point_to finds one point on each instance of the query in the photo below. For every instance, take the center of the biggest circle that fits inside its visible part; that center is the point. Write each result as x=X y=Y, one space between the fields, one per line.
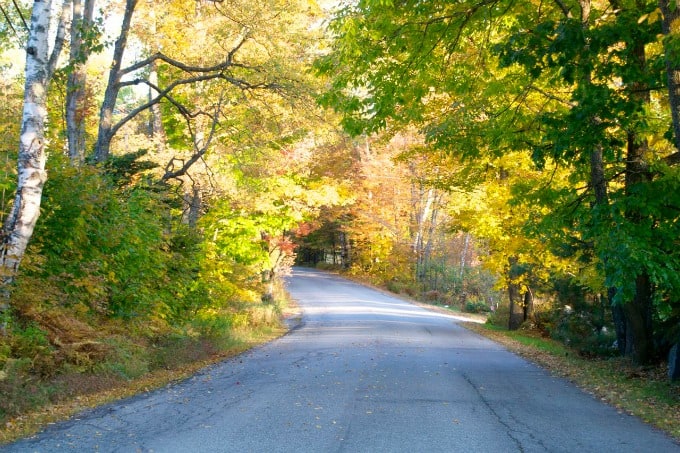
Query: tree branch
x=228 y=62
x=21 y=15
x=165 y=93
x=672 y=159
x=170 y=173
x=9 y=22
x=59 y=39
x=560 y=4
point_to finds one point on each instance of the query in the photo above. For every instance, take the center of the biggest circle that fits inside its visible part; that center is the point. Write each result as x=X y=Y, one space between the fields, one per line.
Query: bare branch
x=9 y=22
x=165 y=93
x=21 y=15
x=228 y=62
x=59 y=38
x=198 y=152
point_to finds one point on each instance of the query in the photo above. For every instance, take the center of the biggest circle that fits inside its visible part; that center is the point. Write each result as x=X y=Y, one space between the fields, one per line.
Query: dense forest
x=167 y=162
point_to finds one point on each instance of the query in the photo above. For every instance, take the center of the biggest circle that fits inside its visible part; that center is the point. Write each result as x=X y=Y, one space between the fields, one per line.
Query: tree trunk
x=106 y=131
x=514 y=318
x=31 y=176
x=345 y=256
x=421 y=214
x=528 y=304
x=671 y=26
x=156 y=123
x=76 y=91
x=639 y=322
x=194 y=201
x=599 y=185
x=639 y=310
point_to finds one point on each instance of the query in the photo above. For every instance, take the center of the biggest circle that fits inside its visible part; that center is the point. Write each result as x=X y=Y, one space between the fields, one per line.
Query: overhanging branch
x=199 y=150
x=227 y=63
x=165 y=93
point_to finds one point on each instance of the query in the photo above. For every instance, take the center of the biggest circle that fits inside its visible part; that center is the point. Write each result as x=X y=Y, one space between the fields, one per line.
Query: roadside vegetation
x=167 y=184
x=97 y=361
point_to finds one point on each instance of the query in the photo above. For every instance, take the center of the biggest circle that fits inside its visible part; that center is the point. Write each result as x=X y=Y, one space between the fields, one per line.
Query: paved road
x=364 y=372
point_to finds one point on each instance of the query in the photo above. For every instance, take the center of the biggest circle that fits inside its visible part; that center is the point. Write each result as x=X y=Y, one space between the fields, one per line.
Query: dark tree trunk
x=639 y=321
x=516 y=315
x=76 y=89
x=672 y=47
x=106 y=124
x=528 y=305
x=639 y=310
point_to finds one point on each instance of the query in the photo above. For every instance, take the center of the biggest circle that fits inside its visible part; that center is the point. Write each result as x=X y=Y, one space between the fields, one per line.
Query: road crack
x=512 y=432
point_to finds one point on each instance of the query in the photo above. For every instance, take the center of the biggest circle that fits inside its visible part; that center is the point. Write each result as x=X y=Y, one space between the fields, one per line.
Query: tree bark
x=639 y=310
x=672 y=48
x=76 y=92
x=31 y=176
x=528 y=304
x=514 y=318
x=106 y=125
x=156 y=122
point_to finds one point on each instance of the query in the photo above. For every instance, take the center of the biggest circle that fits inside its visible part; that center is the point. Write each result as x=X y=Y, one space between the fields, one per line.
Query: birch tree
x=31 y=176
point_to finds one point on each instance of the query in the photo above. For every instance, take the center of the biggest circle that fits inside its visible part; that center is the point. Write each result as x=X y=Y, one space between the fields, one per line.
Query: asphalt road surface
x=363 y=372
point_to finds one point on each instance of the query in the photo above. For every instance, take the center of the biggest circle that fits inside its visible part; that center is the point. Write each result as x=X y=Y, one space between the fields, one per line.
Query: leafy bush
x=576 y=329
x=324 y=266
x=20 y=392
x=114 y=249
x=432 y=295
x=396 y=286
x=127 y=360
x=476 y=306
x=499 y=317
x=579 y=319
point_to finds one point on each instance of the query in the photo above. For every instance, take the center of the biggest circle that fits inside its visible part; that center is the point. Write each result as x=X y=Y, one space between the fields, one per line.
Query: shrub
x=395 y=286
x=432 y=295
x=20 y=392
x=476 y=306
x=127 y=359
x=324 y=266
x=577 y=330
x=500 y=316
x=32 y=343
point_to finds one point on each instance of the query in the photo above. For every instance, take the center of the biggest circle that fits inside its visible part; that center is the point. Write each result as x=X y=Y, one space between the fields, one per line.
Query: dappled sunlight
x=350 y=298
x=339 y=313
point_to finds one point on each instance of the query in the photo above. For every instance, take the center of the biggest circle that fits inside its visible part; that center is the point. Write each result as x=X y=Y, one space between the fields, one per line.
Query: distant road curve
x=364 y=372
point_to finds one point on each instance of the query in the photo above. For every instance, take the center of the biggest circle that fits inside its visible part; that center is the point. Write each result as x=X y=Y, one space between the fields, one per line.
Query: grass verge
x=84 y=391
x=644 y=392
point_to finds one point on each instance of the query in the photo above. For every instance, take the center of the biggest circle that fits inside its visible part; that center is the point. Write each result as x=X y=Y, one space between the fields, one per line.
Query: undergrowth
x=54 y=362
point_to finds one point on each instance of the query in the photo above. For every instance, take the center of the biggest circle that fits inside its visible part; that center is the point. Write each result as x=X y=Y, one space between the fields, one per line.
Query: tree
x=82 y=43
x=40 y=65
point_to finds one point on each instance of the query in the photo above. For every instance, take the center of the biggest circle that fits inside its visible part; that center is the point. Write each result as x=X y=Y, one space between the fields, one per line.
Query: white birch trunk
x=20 y=222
